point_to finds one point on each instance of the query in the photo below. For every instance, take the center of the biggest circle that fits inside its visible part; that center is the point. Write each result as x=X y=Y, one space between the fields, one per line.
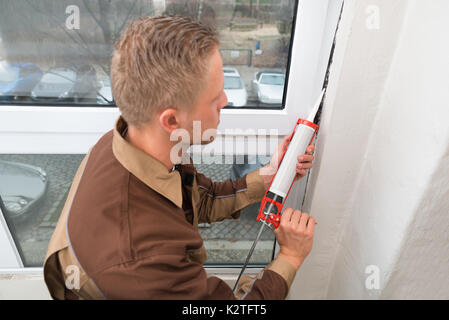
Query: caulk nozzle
x=316 y=107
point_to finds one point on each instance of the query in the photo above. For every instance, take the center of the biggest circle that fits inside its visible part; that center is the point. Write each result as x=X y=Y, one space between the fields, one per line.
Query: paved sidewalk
x=245 y=228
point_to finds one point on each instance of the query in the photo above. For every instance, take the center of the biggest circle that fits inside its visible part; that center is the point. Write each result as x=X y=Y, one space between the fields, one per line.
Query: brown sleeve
x=248 y=288
x=171 y=276
x=223 y=200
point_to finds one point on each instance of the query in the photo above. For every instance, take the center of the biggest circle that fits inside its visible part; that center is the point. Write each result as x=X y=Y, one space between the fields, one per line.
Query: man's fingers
x=305 y=165
x=284 y=143
x=305 y=158
x=300 y=173
x=311 y=149
x=303 y=221
x=297 y=219
x=296 y=216
x=286 y=216
x=310 y=226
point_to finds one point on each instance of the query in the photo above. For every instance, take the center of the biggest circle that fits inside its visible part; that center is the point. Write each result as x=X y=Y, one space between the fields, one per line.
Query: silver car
x=234 y=88
x=65 y=84
x=269 y=86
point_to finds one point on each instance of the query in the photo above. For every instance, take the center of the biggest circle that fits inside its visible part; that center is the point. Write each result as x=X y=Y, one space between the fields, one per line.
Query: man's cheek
x=208 y=136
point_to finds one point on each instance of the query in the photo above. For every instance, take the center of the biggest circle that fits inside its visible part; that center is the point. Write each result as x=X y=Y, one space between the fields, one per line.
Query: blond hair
x=160 y=62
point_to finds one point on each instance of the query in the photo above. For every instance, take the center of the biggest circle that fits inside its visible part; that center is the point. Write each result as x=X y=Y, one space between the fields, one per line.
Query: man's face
x=210 y=101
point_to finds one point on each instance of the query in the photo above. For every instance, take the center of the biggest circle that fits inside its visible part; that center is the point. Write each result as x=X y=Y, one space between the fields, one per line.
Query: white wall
x=418 y=96
x=379 y=188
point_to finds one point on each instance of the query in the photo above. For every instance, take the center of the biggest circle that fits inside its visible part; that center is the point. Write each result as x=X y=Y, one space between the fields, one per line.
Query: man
x=129 y=228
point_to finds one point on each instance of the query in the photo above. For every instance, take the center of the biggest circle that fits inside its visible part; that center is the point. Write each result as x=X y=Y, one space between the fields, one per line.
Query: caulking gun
x=283 y=179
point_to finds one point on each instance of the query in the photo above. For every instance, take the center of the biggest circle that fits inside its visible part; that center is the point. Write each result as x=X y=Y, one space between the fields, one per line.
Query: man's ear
x=169 y=119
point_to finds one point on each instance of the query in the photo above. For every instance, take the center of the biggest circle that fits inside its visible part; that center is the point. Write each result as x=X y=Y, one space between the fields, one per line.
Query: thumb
x=282 y=147
x=284 y=144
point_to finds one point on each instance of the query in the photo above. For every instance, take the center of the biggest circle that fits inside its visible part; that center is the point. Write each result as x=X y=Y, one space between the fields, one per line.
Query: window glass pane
x=232 y=83
x=33 y=190
x=58 y=52
x=229 y=241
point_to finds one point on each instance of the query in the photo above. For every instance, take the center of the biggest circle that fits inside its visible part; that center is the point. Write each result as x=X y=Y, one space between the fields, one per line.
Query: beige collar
x=146 y=168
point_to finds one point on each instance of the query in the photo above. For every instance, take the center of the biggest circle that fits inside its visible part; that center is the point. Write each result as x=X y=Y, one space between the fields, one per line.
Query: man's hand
x=295 y=236
x=304 y=162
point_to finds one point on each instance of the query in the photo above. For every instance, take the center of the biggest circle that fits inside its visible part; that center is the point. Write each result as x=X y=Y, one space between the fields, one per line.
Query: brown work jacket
x=129 y=230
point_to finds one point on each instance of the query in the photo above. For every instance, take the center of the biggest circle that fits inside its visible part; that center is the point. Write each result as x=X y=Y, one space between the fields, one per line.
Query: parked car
x=269 y=86
x=17 y=79
x=234 y=88
x=67 y=84
x=22 y=188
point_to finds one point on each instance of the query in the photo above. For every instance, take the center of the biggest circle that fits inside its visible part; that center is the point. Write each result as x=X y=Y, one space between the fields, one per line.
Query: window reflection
x=228 y=241
x=46 y=58
x=269 y=86
x=34 y=188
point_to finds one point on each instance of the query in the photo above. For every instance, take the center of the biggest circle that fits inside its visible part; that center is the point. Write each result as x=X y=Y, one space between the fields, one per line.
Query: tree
x=36 y=31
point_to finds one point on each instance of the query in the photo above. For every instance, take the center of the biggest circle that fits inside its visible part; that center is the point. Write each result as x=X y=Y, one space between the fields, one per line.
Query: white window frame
x=9 y=254
x=73 y=130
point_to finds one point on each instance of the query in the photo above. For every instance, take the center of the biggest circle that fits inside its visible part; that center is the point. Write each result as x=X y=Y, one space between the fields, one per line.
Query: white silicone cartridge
x=302 y=138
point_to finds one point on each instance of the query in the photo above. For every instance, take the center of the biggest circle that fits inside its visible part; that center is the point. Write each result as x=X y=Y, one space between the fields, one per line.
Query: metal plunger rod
x=249 y=256
x=252 y=249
